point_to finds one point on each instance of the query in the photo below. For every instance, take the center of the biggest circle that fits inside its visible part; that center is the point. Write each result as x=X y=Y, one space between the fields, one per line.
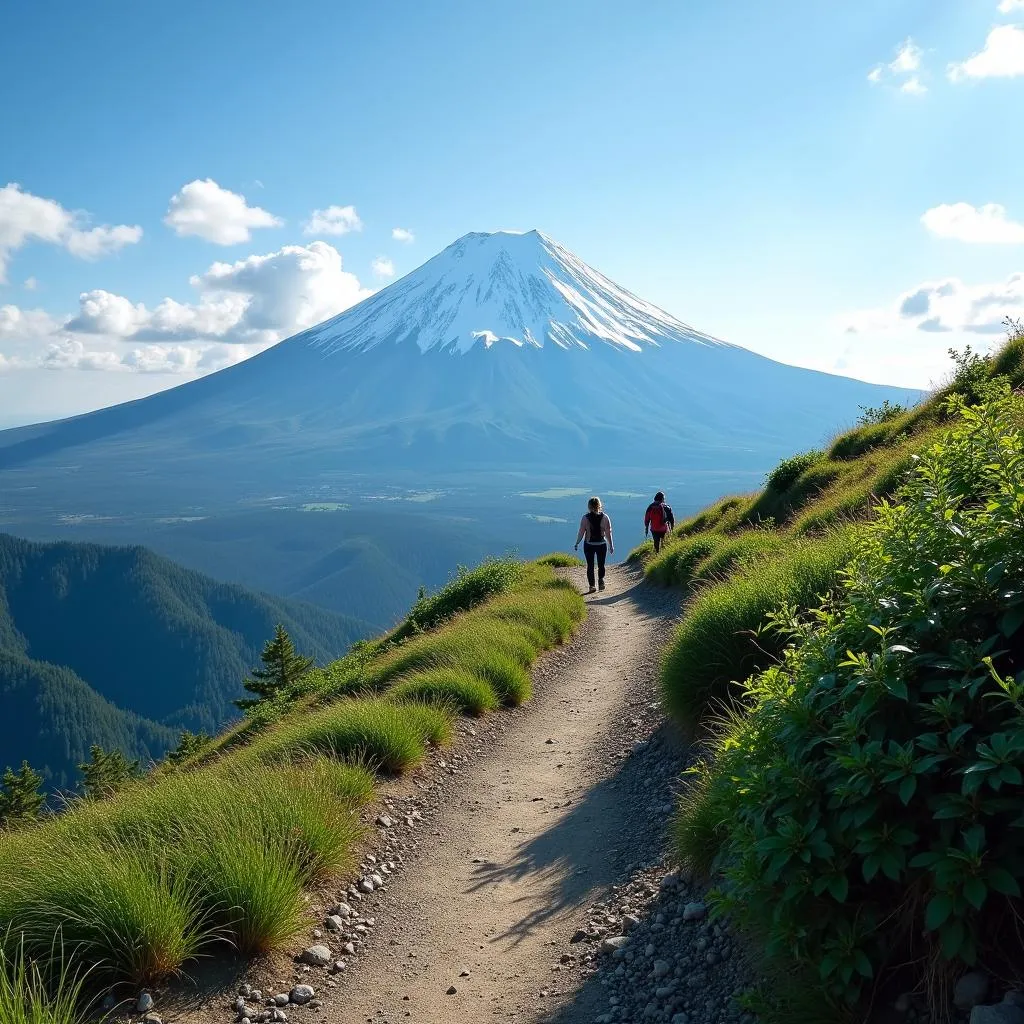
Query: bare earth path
x=541 y=822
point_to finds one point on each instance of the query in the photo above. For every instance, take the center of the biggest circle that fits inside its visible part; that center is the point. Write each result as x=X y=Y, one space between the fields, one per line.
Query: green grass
x=218 y=849
x=387 y=737
x=674 y=565
x=720 y=641
x=453 y=688
x=559 y=560
x=30 y=996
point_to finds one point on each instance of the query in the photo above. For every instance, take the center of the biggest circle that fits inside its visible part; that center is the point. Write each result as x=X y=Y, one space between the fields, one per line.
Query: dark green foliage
x=106 y=772
x=787 y=471
x=20 y=798
x=282 y=671
x=971 y=373
x=870 y=415
x=190 y=745
x=872 y=797
x=469 y=588
x=184 y=645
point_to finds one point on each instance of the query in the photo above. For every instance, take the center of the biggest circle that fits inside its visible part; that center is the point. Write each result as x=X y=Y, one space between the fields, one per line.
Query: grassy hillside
x=136 y=892
x=848 y=649
x=120 y=647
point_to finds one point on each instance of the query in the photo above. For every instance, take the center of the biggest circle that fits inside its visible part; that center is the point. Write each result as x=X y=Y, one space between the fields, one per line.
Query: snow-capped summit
x=504 y=353
x=520 y=288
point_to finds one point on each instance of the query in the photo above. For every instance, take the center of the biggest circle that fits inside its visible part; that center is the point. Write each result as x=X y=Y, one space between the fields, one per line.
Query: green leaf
x=939 y=908
x=975 y=892
x=1012 y=620
x=952 y=939
x=839 y=887
x=907 y=788
x=1002 y=881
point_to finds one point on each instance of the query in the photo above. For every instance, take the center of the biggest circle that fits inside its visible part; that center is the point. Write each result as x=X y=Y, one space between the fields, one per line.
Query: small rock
x=317 y=956
x=384 y=821
x=152 y=1018
x=109 y=1002
x=1001 y=1013
x=579 y=935
x=670 y=881
x=280 y=1016
x=245 y=990
x=611 y=944
x=365 y=885
x=334 y=923
x=341 y=909
x=301 y=994
x=349 y=949
x=144 y=1003
x=680 y=1018
x=463 y=974
x=239 y=1005
x=377 y=880
x=970 y=990
x=629 y=922
x=694 y=912
x=661 y=968
x=451 y=990
x=281 y=999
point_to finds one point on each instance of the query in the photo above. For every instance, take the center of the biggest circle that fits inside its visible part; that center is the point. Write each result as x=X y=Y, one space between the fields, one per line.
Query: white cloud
x=1001 y=57
x=335 y=220
x=241 y=308
x=101 y=241
x=383 y=267
x=402 y=235
x=987 y=224
x=904 y=68
x=204 y=209
x=943 y=306
x=25 y=218
x=908 y=58
x=1009 y=6
x=30 y=284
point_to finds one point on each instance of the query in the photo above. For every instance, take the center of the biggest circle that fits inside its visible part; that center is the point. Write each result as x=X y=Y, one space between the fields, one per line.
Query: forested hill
x=120 y=647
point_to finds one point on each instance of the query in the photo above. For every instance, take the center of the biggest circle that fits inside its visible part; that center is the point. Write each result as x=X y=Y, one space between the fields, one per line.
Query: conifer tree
x=20 y=799
x=106 y=772
x=282 y=669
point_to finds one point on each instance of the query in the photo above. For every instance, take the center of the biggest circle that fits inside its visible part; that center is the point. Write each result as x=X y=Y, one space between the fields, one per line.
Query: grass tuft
x=450 y=687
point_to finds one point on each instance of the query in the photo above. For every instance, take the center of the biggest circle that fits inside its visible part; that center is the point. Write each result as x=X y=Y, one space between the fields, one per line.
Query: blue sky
x=788 y=177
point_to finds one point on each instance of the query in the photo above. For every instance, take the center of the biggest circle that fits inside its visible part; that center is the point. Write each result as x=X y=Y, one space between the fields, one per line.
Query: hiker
x=658 y=520
x=596 y=534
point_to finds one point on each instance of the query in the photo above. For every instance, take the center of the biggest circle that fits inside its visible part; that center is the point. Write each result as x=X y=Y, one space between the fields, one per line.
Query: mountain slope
x=503 y=351
x=119 y=644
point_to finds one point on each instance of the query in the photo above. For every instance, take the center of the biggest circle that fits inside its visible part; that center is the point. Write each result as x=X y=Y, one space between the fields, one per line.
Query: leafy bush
x=872 y=796
x=788 y=470
x=871 y=415
x=720 y=640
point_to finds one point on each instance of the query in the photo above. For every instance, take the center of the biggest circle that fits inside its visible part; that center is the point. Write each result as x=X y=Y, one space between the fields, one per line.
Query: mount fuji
x=503 y=353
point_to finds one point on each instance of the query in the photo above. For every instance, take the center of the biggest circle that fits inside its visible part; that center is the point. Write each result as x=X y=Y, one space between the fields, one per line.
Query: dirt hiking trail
x=507 y=861
x=539 y=825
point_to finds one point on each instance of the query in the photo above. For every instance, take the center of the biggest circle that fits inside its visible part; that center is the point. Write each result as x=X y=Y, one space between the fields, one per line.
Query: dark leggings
x=601 y=553
x=659 y=539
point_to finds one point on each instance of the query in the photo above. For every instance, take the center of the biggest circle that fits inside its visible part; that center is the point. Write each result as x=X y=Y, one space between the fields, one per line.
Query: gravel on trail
x=524 y=874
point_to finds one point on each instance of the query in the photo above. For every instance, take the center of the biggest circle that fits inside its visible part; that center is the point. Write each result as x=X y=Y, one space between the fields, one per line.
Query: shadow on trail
x=618 y=823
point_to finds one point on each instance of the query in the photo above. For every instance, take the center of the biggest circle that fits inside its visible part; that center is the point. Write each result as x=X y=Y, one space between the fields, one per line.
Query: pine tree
x=20 y=799
x=189 y=744
x=282 y=669
x=106 y=772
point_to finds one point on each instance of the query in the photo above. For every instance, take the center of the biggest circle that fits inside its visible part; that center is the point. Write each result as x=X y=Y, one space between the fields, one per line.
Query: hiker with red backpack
x=658 y=520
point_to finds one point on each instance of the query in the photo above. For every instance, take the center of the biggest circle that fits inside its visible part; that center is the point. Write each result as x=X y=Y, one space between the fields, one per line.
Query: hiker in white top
x=596 y=534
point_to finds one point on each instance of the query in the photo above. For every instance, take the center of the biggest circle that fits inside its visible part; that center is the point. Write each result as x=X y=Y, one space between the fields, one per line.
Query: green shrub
x=785 y=474
x=674 y=565
x=872 y=415
x=874 y=789
x=469 y=588
x=855 y=443
x=451 y=687
x=720 y=639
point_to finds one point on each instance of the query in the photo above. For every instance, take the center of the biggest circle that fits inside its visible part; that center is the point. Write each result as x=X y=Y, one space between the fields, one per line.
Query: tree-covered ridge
x=119 y=647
